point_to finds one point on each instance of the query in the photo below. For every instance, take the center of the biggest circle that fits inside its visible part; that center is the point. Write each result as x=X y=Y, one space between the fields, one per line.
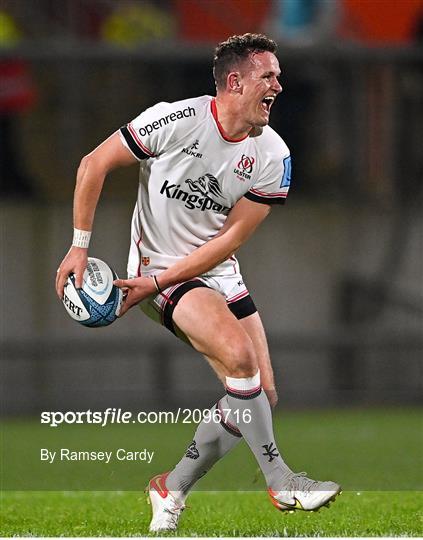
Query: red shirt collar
x=219 y=125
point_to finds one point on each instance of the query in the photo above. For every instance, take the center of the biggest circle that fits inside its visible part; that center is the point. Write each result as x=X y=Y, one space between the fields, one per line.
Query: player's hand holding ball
x=75 y=262
x=134 y=291
x=96 y=301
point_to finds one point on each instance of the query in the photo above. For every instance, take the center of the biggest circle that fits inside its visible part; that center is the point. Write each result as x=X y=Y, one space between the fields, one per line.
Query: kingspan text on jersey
x=157 y=124
x=192 y=201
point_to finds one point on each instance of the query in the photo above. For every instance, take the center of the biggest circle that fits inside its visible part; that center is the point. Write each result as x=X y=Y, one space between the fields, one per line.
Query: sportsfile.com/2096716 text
x=114 y=415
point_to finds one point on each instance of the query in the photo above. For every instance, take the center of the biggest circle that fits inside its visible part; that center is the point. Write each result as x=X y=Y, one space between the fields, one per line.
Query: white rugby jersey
x=191 y=175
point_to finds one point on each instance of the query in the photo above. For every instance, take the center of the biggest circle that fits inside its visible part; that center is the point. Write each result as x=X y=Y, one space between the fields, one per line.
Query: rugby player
x=211 y=168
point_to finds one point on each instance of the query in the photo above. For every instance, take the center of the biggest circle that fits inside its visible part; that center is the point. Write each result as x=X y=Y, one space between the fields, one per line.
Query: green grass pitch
x=375 y=454
x=209 y=514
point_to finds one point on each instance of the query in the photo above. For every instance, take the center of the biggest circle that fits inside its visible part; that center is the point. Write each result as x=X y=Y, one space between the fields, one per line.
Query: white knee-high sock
x=250 y=406
x=212 y=440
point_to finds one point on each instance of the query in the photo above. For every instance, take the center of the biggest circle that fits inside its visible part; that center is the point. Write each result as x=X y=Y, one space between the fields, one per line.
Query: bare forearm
x=199 y=261
x=89 y=183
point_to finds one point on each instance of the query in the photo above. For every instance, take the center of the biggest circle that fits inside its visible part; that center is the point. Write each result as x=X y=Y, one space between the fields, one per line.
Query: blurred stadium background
x=337 y=272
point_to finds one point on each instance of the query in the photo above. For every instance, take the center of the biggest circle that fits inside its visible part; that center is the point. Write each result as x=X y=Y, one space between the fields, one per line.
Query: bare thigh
x=204 y=317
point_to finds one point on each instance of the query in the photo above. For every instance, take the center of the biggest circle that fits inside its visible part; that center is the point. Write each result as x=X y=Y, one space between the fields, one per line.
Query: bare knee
x=240 y=358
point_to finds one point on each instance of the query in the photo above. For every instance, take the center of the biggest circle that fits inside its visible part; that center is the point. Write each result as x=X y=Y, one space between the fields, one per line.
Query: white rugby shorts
x=160 y=307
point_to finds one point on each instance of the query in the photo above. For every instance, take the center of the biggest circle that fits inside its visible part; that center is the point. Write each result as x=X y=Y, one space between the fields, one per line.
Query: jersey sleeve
x=149 y=134
x=273 y=186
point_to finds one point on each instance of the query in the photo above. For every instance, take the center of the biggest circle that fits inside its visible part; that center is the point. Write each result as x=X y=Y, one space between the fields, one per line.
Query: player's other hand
x=75 y=262
x=134 y=290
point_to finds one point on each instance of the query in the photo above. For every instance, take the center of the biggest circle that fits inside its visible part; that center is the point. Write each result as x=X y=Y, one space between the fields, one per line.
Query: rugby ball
x=98 y=301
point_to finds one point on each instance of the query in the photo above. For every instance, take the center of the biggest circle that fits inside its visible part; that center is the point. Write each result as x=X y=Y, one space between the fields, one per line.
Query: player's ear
x=233 y=81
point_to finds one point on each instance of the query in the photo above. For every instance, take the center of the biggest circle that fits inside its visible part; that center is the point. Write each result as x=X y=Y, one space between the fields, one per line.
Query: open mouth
x=267 y=102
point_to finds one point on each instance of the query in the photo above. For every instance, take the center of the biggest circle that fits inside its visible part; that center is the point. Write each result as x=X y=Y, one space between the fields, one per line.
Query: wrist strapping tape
x=81 y=238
